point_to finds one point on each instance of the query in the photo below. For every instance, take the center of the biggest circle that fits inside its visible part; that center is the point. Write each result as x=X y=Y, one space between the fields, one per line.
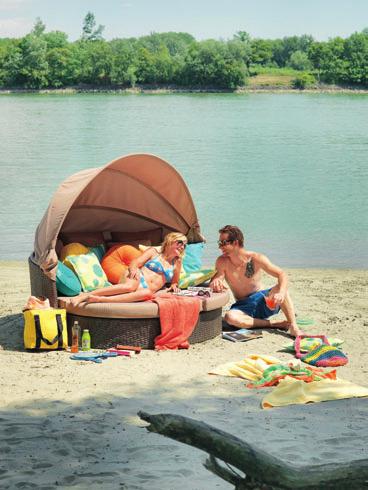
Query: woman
x=146 y=275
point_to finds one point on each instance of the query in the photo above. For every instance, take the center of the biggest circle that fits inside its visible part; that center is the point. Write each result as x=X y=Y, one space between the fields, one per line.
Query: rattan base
x=108 y=332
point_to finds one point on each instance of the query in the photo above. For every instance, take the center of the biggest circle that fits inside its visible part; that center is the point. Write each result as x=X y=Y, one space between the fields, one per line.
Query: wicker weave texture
x=41 y=285
x=108 y=332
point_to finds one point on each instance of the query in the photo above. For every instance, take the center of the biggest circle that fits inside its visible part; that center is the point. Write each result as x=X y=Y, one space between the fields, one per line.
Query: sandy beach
x=74 y=424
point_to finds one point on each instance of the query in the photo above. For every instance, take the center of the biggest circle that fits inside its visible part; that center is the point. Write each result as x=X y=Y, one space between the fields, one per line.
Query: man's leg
x=237 y=318
x=287 y=308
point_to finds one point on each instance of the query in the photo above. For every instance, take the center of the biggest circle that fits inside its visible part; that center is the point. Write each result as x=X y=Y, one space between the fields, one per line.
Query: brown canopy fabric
x=132 y=193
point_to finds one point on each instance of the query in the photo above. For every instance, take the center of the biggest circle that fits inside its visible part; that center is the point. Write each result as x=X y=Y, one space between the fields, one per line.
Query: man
x=242 y=269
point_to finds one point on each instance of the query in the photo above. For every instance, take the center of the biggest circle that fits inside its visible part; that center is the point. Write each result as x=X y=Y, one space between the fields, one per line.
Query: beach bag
x=321 y=355
x=45 y=329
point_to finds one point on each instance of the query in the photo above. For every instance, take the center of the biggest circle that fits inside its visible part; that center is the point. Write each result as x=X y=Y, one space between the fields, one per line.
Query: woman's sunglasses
x=221 y=243
x=180 y=242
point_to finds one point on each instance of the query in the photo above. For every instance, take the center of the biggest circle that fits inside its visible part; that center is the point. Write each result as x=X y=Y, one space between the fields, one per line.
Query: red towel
x=178 y=317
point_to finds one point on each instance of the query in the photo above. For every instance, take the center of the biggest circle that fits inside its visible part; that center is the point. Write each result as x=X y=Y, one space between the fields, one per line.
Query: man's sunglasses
x=221 y=243
x=180 y=242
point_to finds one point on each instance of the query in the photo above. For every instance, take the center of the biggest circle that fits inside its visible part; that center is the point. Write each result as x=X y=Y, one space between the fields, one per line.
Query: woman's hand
x=133 y=272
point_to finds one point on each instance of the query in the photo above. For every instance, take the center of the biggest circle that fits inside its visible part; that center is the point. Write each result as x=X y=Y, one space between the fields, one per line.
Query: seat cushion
x=142 y=309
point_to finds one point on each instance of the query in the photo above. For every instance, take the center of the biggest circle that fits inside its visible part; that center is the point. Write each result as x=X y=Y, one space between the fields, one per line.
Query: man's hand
x=173 y=289
x=279 y=298
x=218 y=285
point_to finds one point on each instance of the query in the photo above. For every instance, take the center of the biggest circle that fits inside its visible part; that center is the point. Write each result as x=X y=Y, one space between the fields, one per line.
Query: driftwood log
x=257 y=465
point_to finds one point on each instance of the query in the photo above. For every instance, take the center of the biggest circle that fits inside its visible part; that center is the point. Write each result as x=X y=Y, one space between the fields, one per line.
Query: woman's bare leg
x=132 y=297
x=130 y=285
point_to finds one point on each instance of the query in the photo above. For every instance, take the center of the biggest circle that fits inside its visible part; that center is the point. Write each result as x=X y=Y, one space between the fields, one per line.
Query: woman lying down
x=146 y=274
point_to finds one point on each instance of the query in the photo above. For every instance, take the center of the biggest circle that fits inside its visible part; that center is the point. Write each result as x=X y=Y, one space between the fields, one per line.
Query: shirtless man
x=242 y=269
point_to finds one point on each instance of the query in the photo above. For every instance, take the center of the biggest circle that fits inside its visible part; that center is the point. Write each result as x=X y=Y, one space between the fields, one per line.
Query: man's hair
x=234 y=233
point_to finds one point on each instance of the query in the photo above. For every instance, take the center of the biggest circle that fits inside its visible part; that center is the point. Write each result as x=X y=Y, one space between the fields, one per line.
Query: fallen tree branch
x=254 y=462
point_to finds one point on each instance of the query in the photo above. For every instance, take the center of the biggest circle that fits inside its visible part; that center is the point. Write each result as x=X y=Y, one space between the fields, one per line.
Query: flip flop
x=97 y=358
x=304 y=322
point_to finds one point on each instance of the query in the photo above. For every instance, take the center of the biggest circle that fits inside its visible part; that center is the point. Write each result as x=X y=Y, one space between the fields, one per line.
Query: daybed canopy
x=132 y=193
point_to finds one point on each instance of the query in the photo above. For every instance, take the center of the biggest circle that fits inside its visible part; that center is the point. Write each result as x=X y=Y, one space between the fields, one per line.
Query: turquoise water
x=289 y=169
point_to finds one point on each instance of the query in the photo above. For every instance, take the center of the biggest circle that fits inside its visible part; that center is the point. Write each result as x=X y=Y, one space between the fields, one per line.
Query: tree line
x=48 y=60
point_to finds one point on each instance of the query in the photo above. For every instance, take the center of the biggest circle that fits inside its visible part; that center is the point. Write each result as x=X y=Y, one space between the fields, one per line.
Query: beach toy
x=321 y=355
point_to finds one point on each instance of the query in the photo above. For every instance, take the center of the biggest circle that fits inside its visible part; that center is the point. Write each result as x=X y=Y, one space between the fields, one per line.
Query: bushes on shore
x=47 y=59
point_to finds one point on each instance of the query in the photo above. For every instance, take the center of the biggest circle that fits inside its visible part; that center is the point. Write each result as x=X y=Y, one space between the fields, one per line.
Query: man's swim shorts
x=255 y=306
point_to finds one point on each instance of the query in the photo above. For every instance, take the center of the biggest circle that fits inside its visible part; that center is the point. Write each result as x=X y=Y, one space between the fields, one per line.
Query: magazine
x=195 y=291
x=242 y=335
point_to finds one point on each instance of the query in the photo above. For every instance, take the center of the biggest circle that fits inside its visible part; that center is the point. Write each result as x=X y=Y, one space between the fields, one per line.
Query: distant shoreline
x=333 y=89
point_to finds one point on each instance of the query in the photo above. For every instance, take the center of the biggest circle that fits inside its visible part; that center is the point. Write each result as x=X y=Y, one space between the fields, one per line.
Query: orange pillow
x=116 y=261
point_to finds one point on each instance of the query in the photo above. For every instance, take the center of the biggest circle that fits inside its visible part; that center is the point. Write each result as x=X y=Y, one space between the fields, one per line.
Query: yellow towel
x=250 y=368
x=291 y=391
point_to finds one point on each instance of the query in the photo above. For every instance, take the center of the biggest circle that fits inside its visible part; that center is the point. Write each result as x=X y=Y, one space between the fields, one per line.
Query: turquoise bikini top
x=156 y=266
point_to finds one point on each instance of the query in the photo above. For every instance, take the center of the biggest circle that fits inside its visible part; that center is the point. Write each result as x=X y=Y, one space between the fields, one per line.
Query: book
x=241 y=335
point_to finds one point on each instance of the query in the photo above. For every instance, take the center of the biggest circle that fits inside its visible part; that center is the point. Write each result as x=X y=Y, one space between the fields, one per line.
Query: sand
x=73 y=424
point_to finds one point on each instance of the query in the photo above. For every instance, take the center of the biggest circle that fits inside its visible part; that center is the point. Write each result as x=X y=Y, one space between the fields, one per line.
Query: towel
x=250 y=368
x=178 y=317
x=291 y=391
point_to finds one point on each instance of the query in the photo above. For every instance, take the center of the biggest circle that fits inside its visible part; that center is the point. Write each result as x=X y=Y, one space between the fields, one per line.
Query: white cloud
x=11 y=5
x=15 y=27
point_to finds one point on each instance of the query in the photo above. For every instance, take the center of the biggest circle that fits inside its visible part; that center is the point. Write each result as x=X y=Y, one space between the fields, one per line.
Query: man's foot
x=287 y=327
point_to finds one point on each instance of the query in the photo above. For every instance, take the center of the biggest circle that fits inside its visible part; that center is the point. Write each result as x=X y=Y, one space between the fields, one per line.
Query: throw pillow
x=99 y=251
x=196 y=278
x=89 y=271
x=192 y=260
x=72 y=249
x=67 y=283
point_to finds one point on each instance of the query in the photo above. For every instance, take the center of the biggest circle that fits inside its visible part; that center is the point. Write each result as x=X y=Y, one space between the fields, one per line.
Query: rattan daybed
x=132 y=194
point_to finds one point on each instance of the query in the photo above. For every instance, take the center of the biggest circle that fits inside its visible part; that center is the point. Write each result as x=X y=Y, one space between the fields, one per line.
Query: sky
x=217 y=19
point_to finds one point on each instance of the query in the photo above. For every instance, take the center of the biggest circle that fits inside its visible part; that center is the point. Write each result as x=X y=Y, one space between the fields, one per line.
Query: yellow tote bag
x=45 y=329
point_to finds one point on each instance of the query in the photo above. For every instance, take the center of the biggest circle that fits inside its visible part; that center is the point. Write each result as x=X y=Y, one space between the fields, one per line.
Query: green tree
x=33 y=71
x=211 y=64
x=262 y=53
x=356 y=56
x=64 y=67
x=55 y=39
x=300 y=61
x=38 y=28
x=89 y=30
x=96 y=62
x=124 y=52
x=10 y=62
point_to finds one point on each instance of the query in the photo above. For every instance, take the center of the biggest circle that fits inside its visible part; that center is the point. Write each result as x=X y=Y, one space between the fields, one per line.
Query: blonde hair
x=170 y=238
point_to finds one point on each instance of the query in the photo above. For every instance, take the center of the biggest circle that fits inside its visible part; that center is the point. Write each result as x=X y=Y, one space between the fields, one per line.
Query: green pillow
x=195 y=278
x=89 y=271
x=67 y=283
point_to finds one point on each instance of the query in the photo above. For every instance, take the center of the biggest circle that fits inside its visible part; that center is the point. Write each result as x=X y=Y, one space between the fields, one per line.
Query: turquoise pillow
x=192 y=260
x=99 y=251
x=67 y=283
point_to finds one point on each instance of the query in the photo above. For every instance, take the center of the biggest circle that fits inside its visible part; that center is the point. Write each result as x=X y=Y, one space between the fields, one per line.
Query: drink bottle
x=75 y=337
x=86 y=340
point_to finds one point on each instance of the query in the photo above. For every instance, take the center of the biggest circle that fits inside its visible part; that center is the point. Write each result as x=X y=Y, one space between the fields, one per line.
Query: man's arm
x=279 y=292
x=217 y=282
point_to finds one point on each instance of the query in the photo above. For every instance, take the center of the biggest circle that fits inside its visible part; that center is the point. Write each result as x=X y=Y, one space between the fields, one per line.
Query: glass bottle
x=86 y=340
x=75 y=337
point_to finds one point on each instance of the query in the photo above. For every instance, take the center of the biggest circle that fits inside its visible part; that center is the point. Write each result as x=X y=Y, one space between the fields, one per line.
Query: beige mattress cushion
x=142 y=309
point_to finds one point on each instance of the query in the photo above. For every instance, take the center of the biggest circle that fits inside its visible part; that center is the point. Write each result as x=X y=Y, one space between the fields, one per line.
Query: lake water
x=289 y=169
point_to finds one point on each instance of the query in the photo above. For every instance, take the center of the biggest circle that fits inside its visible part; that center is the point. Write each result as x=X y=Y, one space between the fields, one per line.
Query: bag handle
x=39 y=336
x=298 y=339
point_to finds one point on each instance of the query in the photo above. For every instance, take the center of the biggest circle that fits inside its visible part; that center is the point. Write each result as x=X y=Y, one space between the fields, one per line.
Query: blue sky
x=201 y=18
